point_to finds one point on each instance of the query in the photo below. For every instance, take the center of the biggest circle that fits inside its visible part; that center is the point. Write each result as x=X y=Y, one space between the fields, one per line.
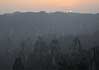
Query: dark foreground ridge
x=55 y=57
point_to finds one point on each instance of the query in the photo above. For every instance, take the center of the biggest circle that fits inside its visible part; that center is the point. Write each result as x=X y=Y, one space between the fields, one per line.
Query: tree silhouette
x=77 y=44
x=18 y=64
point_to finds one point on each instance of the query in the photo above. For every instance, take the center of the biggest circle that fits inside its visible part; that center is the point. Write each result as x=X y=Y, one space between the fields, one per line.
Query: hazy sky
x=49 y=5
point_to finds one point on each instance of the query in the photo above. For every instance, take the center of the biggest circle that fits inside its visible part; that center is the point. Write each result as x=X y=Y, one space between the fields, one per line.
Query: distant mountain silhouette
x=46 y=23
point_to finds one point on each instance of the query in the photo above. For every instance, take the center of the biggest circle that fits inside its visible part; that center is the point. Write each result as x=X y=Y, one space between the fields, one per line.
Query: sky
x=83 y=6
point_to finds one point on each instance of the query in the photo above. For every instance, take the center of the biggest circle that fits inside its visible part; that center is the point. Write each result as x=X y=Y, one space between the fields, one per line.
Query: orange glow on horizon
x=48 y=4
x=39 y=3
